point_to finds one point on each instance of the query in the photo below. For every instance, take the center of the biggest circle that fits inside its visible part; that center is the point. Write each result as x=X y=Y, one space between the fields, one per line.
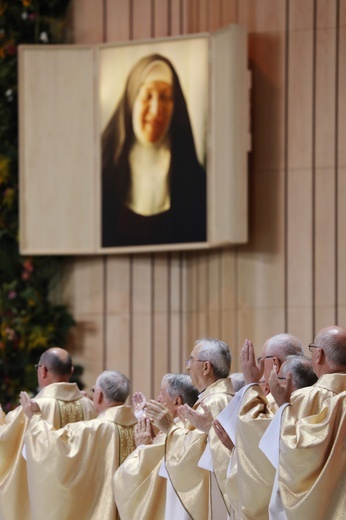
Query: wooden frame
x=60 y=153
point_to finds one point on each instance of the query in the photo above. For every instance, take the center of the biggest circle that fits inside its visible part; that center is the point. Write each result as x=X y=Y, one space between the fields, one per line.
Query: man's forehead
x=164 y=386
x=264 y=348
x=196 y=349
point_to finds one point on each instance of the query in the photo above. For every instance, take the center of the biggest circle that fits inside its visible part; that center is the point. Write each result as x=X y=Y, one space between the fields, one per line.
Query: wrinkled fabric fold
x=312 y=462
x=70 y=470
x=59 y=402
x=184 y=448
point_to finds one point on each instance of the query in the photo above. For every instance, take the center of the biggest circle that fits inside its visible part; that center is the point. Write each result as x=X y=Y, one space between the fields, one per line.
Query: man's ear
x=277 y=363
x=100 y=397
x=178 y=401
x=72 y=371
x=319 y=355
x=44 y=372
x=207 y=367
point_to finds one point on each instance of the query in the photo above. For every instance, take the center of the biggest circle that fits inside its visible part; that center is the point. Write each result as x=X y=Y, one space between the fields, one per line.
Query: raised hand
x=159 y=415
x=29 y=406
x=280 y=390
x=251 y=370
x=138 y=402
x=201 y=421
x=143 y=432
x=223 y=435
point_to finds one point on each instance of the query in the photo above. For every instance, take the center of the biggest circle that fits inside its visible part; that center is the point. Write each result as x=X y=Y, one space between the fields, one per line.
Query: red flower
x=28 y=266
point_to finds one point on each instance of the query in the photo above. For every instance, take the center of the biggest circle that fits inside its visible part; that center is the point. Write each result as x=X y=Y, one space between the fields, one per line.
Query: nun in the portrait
x=153 y=187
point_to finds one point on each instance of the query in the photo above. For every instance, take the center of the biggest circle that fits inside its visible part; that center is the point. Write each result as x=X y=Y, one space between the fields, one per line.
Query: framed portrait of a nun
x=155 y=139
x=154 y=110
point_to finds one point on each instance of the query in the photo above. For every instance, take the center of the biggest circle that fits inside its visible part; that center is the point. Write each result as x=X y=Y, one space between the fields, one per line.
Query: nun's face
x=152 y=111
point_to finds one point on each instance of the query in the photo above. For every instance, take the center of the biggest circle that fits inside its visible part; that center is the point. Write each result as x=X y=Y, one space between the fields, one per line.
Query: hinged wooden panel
x=229 y=137
x=57 y=149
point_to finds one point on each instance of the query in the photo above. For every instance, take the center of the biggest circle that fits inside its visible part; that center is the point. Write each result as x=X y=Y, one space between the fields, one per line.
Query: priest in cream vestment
x=70 y=470
x=251 y=479
x=209 y=366
x=60 y=403
x=139 y=490
x=312 y=455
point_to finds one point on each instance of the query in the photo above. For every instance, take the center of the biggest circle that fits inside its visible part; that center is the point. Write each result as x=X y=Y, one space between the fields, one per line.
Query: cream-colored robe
x=60 y=403
x=184 y=448
x=251 y=480
x=70 y=470
x=312 y=461
x=139 y=491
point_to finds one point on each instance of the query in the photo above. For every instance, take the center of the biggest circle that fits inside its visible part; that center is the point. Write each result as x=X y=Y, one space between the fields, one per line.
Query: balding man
x=251 y=478
x=60 y=402
x=72 y=476
x=275 y=351
x=312 y=460
x=209 y=367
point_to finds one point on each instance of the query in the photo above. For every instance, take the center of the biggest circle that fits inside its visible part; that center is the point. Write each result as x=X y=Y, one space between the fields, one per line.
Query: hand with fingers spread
x=280 y=390
x=143 y=432
x=223 y=435
x=138 y=401
x=251 y=370
x=159 y=415
x=201 y=421
x=29 y=406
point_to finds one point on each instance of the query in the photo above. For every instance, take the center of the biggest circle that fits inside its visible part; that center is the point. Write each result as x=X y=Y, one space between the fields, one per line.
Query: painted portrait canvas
x=153 y=110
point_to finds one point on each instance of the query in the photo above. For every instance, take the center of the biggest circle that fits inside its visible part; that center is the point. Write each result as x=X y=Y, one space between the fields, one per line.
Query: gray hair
x=284 y=345
x=217 y=352
x=115 y=386
x=301 y=369
x=333 y=345
x=180 y=385
x=238 y=381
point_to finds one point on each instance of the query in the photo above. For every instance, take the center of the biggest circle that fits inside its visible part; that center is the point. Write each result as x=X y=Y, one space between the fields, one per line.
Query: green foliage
x=29 y=322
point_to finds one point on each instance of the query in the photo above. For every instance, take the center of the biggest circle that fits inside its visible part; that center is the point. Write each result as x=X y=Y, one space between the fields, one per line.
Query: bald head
x=283 y=345
x=276 y=350
x=330 y=357
x=55 y=366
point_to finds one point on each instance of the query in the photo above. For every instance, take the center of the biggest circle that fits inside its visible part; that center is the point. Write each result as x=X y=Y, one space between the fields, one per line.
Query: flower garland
x=29 y=322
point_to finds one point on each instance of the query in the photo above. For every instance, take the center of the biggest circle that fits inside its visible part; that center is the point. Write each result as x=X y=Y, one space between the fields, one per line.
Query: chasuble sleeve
x=184 y=448
x=139 y=491
x=255 y=473
x=312 y=462
x=70 y=470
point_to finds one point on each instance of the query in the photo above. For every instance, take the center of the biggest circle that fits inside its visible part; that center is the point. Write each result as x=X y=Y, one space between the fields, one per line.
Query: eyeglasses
x=264 y=357
x=190 y=359
x=38 y=365
x=313 y=346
